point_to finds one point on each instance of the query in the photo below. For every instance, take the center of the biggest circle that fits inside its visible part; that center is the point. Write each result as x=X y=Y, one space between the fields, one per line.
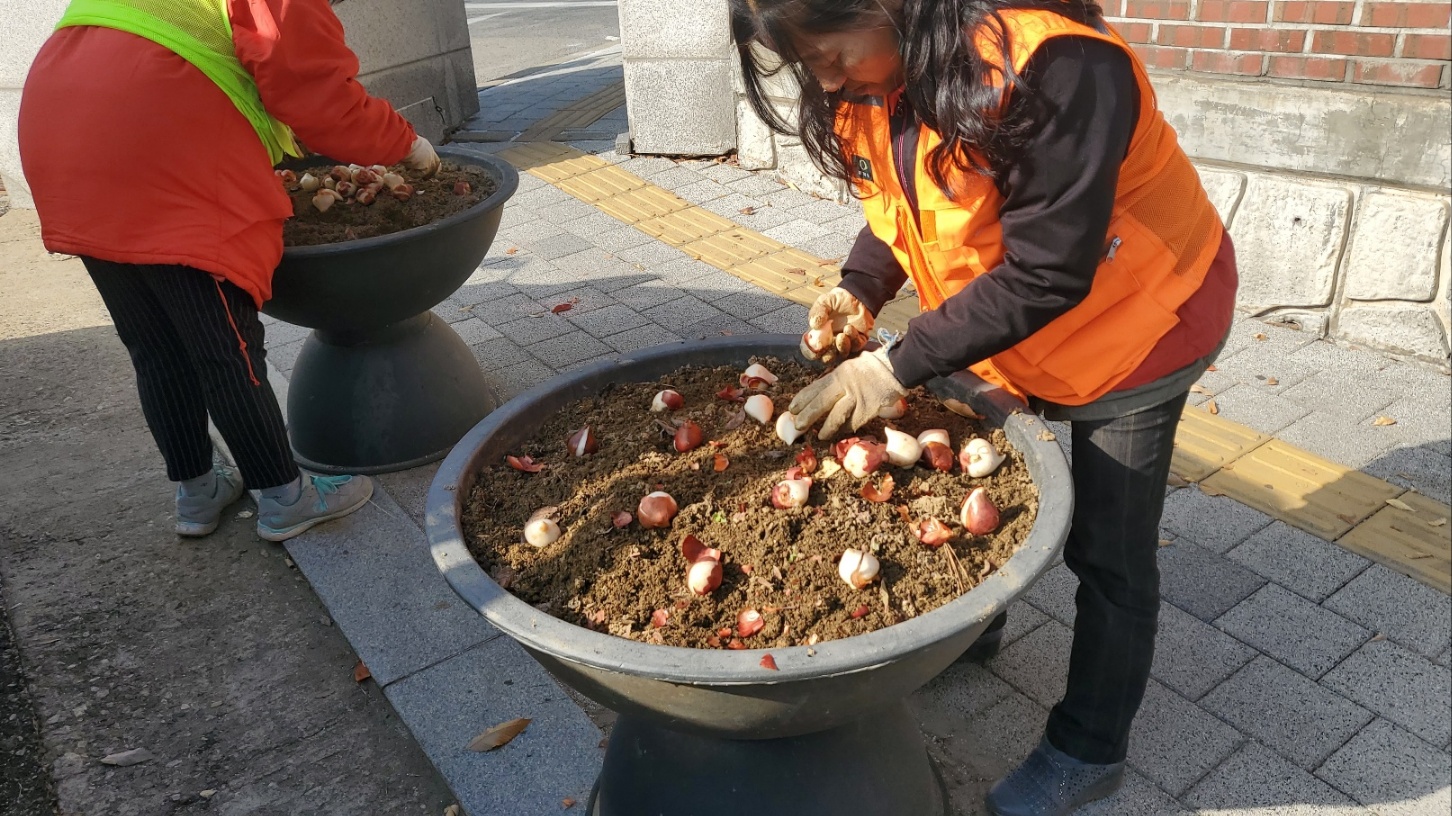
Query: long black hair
x=950 y=85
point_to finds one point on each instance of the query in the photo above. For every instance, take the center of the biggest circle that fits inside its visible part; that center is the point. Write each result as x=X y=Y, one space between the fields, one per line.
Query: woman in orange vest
x=1012 y=163
x=148 y=170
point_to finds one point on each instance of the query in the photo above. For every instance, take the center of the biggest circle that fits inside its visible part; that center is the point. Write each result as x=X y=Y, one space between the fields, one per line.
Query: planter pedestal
x=384 y=400
x=877 y=764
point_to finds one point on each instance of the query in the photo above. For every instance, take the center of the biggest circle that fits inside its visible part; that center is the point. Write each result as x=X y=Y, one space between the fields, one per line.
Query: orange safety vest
x=1162 y=236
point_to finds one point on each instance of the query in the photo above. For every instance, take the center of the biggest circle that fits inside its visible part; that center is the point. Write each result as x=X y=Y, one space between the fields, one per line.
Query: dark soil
x=349 y=221
x=780 y=562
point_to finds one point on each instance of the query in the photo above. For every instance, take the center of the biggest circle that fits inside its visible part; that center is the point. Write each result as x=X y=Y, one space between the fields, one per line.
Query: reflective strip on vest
x=200 y=32
x=1163 y=235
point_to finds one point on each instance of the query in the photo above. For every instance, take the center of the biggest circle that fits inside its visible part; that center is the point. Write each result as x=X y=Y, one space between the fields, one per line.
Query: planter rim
x=536 y=630
x=508 y=179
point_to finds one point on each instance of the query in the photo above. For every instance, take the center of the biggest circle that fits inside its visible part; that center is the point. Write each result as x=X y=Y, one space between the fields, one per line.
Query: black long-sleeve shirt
x=1055 y=215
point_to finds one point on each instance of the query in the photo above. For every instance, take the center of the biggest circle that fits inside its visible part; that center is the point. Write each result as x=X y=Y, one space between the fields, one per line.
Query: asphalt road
x=512 y=37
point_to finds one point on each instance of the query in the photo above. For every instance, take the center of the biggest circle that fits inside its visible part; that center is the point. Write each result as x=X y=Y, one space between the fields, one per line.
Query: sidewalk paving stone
x=473 y=331
x=1330 y=390
x=1335 y=437
x=1191 y=656
x=759 y=186
x=654 y=255
x=1053 y=594
x=684 y=316
x=609 y=320
x=796 y=232
x=620 y=238
x=786 y=320
x=1022 y=619
x=702 y=191
x=953 y=701
x=1422 y=469
x=567 y=349
x=379 y=584
x=556 y=244
x=1300 y=720
x=784 y=198
x=563 y=212
x=1393 y=772
x=761 y=218
x=648 y=294
x=829 y=246
x=451 y=312
x=1037 y=664
x=750 y=305
x=1256 y=781
x=1287 y=627
x=591 y=224
x=1175 y=743
x=449 y=704
x=1399 y=685
x=681 y=269
x=284 y=357
x=643 y=337
x=500 y=310
x=724 y=173
x=1218 y=523
x=674 y=178
x=1138 y=797
x=499 y=353
x=599 y=269
x=820 y=211
x=1257 y=409
x=1303 y=563
x=1201 y=582
x=528 y=331
x=1422 y=421
x=718 y=287
x=1405 y=610
x=722 y=326
x=522 y=376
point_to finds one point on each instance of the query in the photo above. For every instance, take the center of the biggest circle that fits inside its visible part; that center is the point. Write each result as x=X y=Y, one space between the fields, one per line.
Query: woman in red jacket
x=1012 y=162
x=148 y=170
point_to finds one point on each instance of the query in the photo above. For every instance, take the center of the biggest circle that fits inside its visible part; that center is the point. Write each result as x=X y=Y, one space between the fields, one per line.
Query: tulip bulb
x=863 y=457
x=340 y=172
x=902 y=449
x=309 y=183
x=938 y=456
x=786 y=427
x=330 y=183
x=897 y=410
x=392 y=180
x=667 y=400
x=858 y=568
x=323 y=200
x=287 y=177
x=541 y=532
x=791 y=493
x=979 y=458
x=817 y=341
x=756 y=375
x=656 y=510
x=979 y=514
x=583 y=442
x=364 y=177
x=934 y=435
x=366 y=196
x=462 y=188
x=346 y=188
x=704 y=576
x=402 y=192
x=688 y=437
x=932 y=533
x=759 y=407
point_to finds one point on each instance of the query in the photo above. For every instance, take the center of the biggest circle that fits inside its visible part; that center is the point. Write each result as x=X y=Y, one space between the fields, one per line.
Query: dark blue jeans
x=1120 y=469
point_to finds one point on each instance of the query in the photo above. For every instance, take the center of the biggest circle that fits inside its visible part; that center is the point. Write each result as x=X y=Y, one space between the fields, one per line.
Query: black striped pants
x=196 y=344
x=1120 y=468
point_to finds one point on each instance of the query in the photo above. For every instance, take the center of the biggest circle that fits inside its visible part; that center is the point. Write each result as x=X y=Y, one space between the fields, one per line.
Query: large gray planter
x=382 y=384
x=709 y=732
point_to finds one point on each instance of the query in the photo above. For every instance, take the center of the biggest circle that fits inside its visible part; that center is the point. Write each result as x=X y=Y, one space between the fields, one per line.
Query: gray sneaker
x=197 y=516
x=323 y=498
x=1052 y=783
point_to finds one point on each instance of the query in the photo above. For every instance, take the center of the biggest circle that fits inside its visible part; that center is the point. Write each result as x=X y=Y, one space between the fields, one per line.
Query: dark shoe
x=1052 y=783
x=988 y=643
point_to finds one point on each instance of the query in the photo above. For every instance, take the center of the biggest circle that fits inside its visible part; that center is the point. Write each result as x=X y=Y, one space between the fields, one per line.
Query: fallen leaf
x=795 y=270
x=878 y=495
x=525 y=464
x=1212 y=407
x=1200 y=389
x=735 y=645
x=659 y=618
x=1378 y=637
x=564 y=307
x=748 y=210
x=749 y=622
x=735 y=421
x=1346 y=517
x=768 y=662
x=817 y=281
x=1260 y=336
x=124 y=759
x=1211 y=368
x=1165 y=542
x=1438 y=522
x=731 y=394
x=567 y=803
x=1175 y=480
x=720 y=462
x=1272 y=381
x=1399 y=504
x=1383 y=421
x=511 y=250
x=499 y=735
x=548 y=511
x=361 y=673
x=453 y=810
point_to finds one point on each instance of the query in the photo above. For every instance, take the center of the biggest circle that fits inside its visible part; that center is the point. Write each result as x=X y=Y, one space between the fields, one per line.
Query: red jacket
x=134 y=156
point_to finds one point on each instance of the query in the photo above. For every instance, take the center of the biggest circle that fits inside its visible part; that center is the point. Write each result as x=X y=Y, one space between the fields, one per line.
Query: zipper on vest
x=1113 y=248
x=903 y=130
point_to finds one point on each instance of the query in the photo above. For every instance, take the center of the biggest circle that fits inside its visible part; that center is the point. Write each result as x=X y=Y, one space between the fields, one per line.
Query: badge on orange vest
x=862 y=168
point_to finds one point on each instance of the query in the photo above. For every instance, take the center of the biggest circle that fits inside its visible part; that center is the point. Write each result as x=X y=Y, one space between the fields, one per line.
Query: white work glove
x=421 y=158
x=837 y=326
x=854 y=391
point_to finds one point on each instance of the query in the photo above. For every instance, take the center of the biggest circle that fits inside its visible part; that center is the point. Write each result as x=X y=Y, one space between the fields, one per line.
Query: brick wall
x=1365 y=42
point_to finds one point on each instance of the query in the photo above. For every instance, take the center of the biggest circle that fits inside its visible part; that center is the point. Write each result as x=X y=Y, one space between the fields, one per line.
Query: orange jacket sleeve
x=307 y=75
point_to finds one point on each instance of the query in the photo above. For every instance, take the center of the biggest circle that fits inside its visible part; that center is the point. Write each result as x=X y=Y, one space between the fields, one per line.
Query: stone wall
x=414 y=53
x=678 y=59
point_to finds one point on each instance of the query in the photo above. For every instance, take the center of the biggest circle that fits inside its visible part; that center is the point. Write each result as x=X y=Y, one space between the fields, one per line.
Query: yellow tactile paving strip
x=1363 y=513
x=577 y=114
